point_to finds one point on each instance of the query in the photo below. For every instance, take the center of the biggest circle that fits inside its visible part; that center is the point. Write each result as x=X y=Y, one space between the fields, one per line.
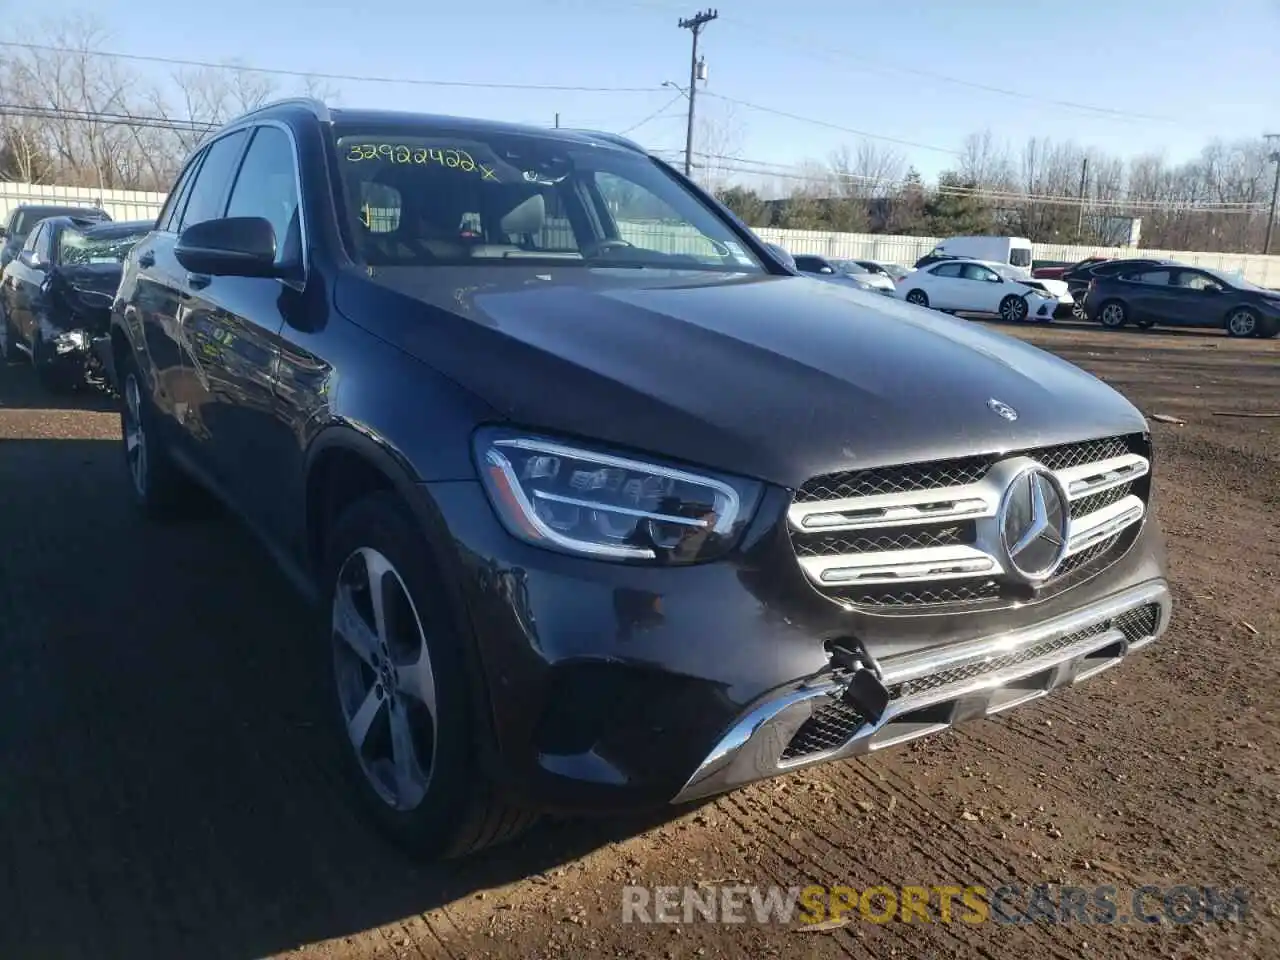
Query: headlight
x=608 y=506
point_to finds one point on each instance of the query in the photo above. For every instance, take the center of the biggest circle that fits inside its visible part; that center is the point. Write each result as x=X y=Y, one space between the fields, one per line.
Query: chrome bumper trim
x=752 y=748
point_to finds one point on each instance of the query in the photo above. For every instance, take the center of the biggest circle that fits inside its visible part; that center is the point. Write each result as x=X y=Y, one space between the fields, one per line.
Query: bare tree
x=719 y=134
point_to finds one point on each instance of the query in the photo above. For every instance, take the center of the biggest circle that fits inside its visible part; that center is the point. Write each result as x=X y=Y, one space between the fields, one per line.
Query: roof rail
x=313 y=104
x=611 y=137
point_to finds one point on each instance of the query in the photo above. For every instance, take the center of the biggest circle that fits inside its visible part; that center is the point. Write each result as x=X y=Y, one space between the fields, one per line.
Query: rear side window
x=209 y=192
x=1020 y=257
x=948 y=270
x=1158 y=277
x=172 y=212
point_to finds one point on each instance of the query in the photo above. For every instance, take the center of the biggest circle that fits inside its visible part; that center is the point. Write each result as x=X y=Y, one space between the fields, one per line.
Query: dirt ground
x=166 y=793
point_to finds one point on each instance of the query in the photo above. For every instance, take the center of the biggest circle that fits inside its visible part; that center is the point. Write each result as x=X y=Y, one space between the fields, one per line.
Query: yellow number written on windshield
x=402 y=153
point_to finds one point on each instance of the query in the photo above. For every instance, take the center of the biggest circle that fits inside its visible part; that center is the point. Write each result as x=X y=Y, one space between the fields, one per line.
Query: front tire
x=1113 y=314
x=400 y=683
x=1013 y=309
x=918 y=297
x=1242 y=323
x=54 y=376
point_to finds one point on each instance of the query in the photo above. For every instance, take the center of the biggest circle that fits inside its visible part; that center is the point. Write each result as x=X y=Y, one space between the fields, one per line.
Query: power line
x=95 y=116
x=766 y=169
x=653 y=116
x=768 y=34
x=305 y=74
x=831 y=126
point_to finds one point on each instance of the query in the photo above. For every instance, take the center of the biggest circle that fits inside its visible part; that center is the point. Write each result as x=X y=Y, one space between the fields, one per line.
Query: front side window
x=422 y=197
x=1197 y=281
x=1020 y=257
x=976 y=271
x=267 y=187
x=33 y=238
x=78 y=249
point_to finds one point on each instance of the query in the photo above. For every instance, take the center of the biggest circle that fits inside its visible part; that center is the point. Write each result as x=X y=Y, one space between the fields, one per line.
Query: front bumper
x=932 y=691
x=610 y=687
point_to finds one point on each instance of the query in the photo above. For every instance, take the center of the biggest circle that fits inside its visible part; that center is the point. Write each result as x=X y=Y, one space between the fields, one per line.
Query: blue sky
x=1201 y=70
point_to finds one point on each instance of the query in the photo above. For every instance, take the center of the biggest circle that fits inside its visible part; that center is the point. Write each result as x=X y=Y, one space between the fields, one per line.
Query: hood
x=775 y=377
x=1055 y=288
x=93 y=280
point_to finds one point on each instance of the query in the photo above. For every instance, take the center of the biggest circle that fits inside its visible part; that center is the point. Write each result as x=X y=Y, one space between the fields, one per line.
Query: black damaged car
x=602 y=505
x=56 y=295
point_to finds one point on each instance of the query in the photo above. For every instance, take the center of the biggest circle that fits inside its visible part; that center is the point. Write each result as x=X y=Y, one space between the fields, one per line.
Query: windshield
x=851 y=269
x=1007 y=272
x=76 y=249
x=418 y=197
x=1234 y=280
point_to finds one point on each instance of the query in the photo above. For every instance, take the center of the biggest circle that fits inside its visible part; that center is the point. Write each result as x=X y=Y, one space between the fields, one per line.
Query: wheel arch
x=344 y=463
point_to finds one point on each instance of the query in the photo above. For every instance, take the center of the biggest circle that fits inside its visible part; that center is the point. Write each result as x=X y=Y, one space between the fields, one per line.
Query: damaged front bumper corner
x=814 y=721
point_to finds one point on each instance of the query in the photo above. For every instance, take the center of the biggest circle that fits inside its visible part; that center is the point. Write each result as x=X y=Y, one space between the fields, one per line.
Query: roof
x=118 y=228
x=373 y=118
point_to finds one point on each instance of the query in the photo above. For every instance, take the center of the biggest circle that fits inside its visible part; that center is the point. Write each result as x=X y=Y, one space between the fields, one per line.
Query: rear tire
x=400 y=684
x=918 y=297
x=1113 y=314
x=161 y=491
x=8 y=336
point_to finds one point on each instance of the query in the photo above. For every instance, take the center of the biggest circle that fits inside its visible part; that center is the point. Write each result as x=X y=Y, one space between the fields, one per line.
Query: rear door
x=946 y=287
x=1148 y=294
x=166 y=290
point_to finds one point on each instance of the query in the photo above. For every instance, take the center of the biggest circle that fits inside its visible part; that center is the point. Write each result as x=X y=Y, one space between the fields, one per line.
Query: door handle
x=147 y=258
x=198 y=281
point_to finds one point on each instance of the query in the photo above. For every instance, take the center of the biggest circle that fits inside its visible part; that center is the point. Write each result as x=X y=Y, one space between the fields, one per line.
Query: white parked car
x=977 y=286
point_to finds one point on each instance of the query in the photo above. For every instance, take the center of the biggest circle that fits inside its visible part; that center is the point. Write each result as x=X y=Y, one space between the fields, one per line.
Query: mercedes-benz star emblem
x=1033 y=525
x=1002 y=409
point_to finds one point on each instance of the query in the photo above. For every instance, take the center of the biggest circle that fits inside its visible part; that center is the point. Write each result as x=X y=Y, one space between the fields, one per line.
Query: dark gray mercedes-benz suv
x=602 y=505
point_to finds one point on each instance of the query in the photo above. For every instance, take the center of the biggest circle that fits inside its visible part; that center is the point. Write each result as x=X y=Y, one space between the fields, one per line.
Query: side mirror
x=230 y=247
x=28 y=259
x=826 y=270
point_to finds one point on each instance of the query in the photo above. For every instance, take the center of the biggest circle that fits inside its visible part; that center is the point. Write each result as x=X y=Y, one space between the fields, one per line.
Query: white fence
x=137 y=205
x=119 y=204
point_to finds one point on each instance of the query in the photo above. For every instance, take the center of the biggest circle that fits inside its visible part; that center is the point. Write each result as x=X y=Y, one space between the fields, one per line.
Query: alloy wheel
x=1242 y=323
x=135 y=437
x=385 y=685
x=1112 y=315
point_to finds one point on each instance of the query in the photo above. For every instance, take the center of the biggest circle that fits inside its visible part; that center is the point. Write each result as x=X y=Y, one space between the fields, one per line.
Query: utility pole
x=1275 y=191
x=694 y=25
x=1084 y=183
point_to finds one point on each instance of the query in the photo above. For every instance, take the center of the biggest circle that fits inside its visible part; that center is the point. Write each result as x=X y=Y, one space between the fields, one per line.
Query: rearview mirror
x=229 y=247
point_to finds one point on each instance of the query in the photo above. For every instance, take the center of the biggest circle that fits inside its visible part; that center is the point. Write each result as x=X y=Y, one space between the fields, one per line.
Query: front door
x=230 y=330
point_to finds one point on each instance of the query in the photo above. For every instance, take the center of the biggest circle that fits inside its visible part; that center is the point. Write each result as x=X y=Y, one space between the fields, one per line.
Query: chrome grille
x=834 y=723
x=921 y=537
